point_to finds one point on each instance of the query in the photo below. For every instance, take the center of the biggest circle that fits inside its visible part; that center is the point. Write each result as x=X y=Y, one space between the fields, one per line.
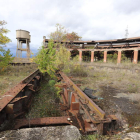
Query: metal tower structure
x=23 y=36
x=126 y=32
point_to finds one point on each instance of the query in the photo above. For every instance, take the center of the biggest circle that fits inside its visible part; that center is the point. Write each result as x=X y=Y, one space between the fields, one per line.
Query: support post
x=80 y=55
x=119 y=56
x=92 y=56
x=28 y=50
x=17 y=47
x=105 y=56
x=135 y=60
x=20 y=49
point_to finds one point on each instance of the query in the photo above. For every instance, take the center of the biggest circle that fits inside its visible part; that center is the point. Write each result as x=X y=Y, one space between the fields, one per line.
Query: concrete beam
x=124 y=49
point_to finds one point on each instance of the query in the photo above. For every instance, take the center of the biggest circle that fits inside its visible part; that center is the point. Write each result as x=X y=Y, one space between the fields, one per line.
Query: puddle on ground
x=114 y=103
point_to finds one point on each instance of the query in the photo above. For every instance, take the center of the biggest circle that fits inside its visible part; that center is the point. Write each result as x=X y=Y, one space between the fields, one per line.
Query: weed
x=46 y=102
x=78 y=70
x=133 y=88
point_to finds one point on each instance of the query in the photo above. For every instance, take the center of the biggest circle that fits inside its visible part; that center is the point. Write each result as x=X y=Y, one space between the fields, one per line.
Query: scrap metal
x=81 y=110
x=89 y=116
x=18 y=99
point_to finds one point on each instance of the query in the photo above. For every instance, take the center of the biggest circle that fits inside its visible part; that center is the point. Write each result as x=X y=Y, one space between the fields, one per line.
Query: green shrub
x=5 y=59
x=78 y=70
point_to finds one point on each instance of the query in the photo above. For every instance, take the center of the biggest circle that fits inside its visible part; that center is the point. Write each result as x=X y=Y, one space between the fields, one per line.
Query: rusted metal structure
x=81 y=111
x=89 y=116
x=117 y=45
x=17 y=100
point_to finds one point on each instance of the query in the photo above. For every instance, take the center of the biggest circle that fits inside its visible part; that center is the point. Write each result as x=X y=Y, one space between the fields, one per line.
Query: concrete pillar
x=80 y=55
x=28 y=50
x=105 y=56
x=21 y=50
x=119 y=56
x=17 y=47
x=135 y=60
x=92 y=56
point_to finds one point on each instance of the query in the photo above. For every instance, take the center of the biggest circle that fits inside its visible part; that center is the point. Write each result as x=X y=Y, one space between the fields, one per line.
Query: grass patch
x=13 y=75
x=132 y=88
x=78 y=70
x=46 y=101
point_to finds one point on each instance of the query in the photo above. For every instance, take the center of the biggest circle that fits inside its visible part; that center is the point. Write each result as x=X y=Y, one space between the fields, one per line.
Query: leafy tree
x=71 y=37
x=59 y=34
x=5 y=56
x=62 y=61
x=45 y=59
x=49 y=60
x=3 y=39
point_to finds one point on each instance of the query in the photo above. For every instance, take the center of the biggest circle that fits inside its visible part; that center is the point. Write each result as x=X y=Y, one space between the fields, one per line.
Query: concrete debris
x=43 y=133
x=131 y=136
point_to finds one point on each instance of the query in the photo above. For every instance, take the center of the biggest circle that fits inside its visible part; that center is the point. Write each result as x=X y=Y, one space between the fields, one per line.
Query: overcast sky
x=91 y=19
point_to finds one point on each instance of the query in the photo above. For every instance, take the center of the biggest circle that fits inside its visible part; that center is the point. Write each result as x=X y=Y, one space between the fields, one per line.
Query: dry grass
x=13 y=75
x=46 y=101
x=126 y=64
x=126 y=81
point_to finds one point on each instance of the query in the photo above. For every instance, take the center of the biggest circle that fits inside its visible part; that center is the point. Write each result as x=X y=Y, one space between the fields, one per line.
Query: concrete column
x=135 y=60
x=20 y=49
x=119 y=56
x=92 y=56
x=17 y=47
x=80 y=55
x=28 y=50
x=105 y=56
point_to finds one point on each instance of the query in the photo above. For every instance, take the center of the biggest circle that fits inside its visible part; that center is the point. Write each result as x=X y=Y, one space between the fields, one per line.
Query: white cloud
x=91 y=19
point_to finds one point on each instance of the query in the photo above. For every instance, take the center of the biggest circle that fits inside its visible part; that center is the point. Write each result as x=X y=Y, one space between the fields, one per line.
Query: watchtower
x=23 y=36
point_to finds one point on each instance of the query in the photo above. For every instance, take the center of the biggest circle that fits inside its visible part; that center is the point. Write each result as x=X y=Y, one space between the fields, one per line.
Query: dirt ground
x=120 y=92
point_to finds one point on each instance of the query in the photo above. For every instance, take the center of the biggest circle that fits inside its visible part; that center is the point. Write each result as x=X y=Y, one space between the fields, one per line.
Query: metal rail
x=89 y=116
x=18 y=99
x=81 y=110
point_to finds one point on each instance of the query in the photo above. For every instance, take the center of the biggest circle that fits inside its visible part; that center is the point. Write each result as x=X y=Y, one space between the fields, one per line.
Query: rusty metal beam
x=90 y=103
x=11 y=94
x=111 y=49
x=41 y=121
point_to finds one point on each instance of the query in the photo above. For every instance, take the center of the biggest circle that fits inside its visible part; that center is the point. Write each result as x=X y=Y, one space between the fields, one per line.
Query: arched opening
x=74 y=53
x=127 y=56
x=112 y=56
x=86 y=56
x=98 y=56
